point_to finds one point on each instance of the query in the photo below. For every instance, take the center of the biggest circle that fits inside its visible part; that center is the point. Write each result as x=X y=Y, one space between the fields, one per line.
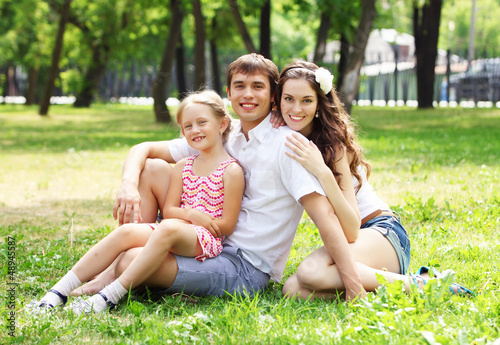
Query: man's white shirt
x=270 y=209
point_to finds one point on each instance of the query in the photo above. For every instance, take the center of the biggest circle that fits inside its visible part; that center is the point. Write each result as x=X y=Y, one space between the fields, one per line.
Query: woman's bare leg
x=318 y=273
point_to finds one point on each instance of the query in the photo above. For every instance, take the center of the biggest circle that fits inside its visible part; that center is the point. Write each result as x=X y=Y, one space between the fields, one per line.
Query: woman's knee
x=309 y=273
x=291 y=287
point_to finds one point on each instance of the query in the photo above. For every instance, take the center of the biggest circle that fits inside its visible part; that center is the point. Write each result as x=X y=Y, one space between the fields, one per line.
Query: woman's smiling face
x=299 y=103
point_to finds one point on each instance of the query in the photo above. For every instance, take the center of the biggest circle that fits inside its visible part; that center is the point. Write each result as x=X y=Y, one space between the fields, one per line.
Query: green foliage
x=439 y=169
x=456 y=20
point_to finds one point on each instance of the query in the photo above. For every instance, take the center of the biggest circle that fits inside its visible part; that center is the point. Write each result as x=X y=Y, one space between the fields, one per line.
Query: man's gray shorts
x=228 y=272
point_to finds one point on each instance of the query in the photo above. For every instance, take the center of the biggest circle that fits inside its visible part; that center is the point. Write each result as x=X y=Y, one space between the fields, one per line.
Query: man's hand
x=128 y=200
x=277 y=120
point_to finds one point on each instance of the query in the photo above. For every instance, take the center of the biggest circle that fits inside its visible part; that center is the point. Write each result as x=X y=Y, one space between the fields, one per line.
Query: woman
x=308 y=103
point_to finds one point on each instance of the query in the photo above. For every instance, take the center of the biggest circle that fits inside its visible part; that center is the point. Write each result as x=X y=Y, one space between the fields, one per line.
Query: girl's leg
x=153 y=195
x=95 y=261
x=102 y=255
x=100 y=281
x=171 y=235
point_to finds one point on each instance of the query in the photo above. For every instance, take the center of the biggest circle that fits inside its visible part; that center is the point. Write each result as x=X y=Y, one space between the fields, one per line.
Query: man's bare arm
x=128 y=199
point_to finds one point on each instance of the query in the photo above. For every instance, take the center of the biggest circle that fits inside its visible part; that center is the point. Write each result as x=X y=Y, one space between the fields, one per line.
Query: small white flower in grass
x=324 y=79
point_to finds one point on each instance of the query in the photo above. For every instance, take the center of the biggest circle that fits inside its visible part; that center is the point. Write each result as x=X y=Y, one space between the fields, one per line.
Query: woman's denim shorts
x=391 y=228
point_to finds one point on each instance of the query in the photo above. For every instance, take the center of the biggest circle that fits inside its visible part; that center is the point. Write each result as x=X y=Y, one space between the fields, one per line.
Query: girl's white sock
x=113 y=292
x=64 y=286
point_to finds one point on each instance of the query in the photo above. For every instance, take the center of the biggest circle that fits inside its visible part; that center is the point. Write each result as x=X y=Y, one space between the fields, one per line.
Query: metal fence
x=454 y=82
x=380 y=84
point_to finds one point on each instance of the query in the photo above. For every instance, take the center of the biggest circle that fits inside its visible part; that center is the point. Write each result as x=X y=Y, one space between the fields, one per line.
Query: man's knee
x=125 y=260
x=155 y=170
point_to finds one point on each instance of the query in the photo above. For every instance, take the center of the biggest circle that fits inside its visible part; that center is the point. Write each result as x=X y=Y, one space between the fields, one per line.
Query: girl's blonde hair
x=213 y=100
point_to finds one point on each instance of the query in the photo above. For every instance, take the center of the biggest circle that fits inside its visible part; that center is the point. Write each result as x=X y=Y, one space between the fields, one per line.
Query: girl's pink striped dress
x=204 y=193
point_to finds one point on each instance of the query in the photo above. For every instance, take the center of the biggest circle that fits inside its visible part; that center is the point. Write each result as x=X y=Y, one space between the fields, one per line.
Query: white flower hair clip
x=324 y=79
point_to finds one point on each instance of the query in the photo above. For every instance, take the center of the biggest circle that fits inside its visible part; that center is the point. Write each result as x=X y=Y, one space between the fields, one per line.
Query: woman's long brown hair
x=332 y=130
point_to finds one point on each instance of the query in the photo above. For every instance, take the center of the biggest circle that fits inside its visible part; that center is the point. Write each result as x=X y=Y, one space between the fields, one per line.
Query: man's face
x=250 y=97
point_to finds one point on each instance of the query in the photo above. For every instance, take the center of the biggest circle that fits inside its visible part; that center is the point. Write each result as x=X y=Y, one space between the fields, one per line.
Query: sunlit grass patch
x=439 y=169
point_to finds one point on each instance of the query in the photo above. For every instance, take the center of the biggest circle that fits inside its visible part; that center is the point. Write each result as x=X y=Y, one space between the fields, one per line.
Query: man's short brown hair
x=253 y=64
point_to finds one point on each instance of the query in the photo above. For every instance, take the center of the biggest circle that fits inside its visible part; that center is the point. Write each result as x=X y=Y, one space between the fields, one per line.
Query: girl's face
x=201 y=127
x=298 y=105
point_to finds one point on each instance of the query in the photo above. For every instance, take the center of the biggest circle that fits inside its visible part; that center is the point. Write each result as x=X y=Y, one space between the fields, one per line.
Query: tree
x=455 y=28
x=426 y=20
x=180 y=67
x=101 y=51
x=199 y=49
x=265 y=29
x=322 y=37
x=56 y=55
x=349 y=87
x=214 y=57
x=27 y=34
x=103 y=29
x=242 y=27
x=159 y=91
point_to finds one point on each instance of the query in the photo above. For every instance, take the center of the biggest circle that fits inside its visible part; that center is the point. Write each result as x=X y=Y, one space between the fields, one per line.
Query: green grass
x=439 y=169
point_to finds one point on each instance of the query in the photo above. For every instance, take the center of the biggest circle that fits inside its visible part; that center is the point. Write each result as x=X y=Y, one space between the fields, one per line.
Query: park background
x=436 y=164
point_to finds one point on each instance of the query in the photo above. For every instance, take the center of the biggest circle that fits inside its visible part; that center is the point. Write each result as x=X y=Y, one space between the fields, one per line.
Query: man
x=277 y=190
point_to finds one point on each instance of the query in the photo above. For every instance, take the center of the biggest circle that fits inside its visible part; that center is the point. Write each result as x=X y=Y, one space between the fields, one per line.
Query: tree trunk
x=97 y=68
x=32 y=83
x=56 y=56
x=247 y=40
x=470 y=49
x=12 y=88
x=426 y=31
x=350 y=82
x=345 y=46
x=4 y=71
x=199 y=49
x=265 y=30
x=322 y=37
x=214 y=59
x=163 y=76
x=179 y=64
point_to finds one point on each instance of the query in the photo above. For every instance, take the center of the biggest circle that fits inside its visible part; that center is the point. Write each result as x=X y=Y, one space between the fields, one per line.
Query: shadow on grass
x=96 y=129
x=57 y=215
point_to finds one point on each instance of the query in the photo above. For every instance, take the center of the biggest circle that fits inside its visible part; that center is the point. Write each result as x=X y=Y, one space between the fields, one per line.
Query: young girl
x=309 y=104
x=202 y=206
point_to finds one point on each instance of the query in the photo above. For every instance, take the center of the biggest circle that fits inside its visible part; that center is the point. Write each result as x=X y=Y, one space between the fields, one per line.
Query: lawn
x=439 y=169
